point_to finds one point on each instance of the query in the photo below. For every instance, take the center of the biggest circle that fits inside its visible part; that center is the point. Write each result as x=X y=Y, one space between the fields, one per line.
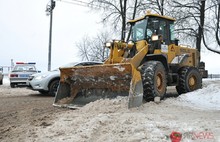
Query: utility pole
x=49 y=11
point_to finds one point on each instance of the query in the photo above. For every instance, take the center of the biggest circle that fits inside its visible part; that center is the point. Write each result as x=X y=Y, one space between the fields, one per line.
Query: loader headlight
x=108 y=44
x=155 y=37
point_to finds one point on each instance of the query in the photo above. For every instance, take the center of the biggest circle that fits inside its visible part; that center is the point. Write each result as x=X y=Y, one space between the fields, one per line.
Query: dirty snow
x=196 y=115
x=113 y=77
x=206 y=98
x=10 y=92
x=121 y=69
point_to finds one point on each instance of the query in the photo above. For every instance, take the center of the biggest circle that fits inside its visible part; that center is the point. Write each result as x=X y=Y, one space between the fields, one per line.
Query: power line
x=80 y=1
x=74 y=3
x=85 y=4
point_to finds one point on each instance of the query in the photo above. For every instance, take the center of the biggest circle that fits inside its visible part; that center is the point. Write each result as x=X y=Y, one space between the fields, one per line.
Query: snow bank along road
x=27 y=116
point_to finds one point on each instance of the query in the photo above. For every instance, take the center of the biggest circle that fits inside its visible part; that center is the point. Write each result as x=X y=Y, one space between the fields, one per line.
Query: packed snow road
x=28 y=116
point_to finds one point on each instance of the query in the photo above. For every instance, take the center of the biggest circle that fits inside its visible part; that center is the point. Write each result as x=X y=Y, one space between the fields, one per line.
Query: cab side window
x=172 y=34
x=164 y=31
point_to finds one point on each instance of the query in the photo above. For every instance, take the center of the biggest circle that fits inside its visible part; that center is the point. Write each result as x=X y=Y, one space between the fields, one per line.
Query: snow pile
x=206 y=98
x=6 y=90
x=111 y=121
x=105 y=120
x=6 y=80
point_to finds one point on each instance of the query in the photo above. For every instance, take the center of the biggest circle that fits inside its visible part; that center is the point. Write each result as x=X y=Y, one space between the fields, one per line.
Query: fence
x=5 y=69
x=214 y=76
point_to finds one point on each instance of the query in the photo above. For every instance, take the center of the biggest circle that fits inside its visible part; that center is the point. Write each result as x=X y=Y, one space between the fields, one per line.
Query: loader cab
x=153 y=28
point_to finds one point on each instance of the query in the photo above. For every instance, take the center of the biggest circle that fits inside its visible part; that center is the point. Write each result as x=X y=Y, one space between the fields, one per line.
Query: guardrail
x=5 y=69
x=214 y=76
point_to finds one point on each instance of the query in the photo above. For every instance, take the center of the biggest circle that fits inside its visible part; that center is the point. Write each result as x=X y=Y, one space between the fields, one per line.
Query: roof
x=149 y=14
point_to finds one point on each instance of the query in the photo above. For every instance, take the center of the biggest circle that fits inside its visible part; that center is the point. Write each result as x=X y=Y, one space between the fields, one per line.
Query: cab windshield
x=139 y=29
x=142 y=30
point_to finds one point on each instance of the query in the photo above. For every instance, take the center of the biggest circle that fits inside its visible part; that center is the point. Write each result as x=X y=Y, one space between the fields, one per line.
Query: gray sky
x=24 y=33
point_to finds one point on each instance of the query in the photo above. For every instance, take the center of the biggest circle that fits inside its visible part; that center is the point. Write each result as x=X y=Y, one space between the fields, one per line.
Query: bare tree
x=117 y=12
x=192 y=20
x=190 y=14
x=158 y=6
x=92 y=49
x=213 y=31
x=217 y=32
x=84 y=48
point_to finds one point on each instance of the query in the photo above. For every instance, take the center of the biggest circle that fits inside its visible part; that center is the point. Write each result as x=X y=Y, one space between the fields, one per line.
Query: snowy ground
x=207 y=98
x=196 y=115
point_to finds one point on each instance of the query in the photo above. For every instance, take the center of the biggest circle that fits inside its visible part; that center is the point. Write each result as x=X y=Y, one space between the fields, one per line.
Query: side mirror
x=176 y=41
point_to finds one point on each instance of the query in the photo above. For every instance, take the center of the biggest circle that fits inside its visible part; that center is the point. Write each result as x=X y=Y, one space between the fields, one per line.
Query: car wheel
x=53 y=86
x=44 y=92
x=12 y=85
x=1 y=82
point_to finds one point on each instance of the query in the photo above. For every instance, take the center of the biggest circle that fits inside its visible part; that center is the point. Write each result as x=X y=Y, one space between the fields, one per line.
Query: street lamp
x=49 y=12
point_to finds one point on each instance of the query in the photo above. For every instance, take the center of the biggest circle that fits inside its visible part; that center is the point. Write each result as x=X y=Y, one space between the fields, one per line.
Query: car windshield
x=29 y=68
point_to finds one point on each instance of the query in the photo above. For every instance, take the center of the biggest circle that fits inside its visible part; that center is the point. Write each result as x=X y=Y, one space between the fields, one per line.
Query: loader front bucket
x=81 y=85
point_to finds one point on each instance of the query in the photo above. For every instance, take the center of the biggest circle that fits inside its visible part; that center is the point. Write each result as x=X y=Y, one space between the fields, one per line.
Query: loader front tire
x=189 y=80
x=154 y=80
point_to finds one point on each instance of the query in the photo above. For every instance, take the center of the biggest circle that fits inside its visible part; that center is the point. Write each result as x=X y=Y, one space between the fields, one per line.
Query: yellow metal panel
x=153 y=15
x=172 y=52
x=136 y=60
x=135 y=20
x=140 y=45
x=157 y=51
x=161 y=16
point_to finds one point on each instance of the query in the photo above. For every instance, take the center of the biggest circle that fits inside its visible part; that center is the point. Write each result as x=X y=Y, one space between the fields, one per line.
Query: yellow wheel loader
x=140 y=69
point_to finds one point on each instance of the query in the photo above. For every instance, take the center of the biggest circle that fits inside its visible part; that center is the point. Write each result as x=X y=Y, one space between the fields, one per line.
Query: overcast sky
x=24 y=33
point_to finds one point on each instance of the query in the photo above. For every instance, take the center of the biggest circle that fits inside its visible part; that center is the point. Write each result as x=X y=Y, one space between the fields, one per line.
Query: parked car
x=48 y=82
x=1 y=76
x=21 y=72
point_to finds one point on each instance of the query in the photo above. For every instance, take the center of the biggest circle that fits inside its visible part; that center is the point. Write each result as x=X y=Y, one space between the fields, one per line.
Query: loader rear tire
x=154 y=80
x=189 y=80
